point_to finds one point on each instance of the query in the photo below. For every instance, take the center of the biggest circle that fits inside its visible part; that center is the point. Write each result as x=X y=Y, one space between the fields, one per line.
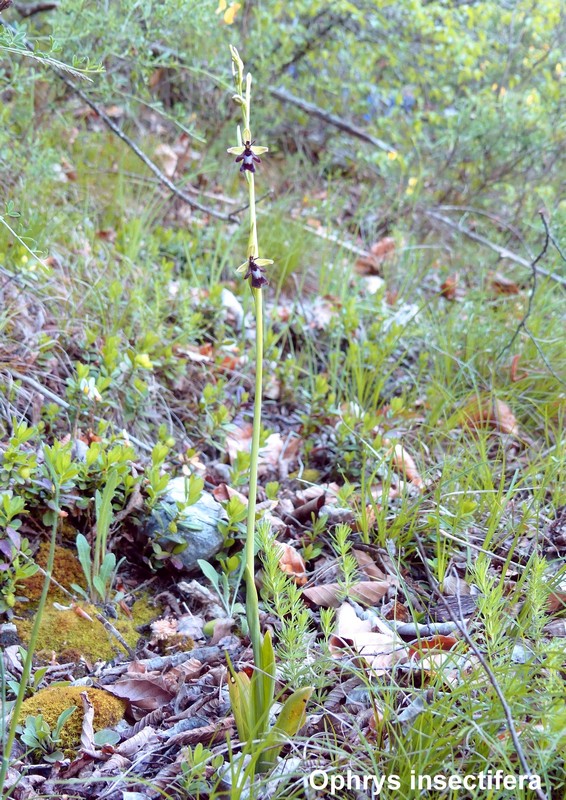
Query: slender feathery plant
x=252 y=698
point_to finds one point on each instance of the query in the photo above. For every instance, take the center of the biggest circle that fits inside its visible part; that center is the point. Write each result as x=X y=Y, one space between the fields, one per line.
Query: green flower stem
x=31 y=648
x=252 y=603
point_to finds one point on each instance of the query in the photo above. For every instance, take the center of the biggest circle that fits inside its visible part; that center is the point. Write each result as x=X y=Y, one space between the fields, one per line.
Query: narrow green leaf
x=290 y=720
x=267 y=671
x=209 y=572
x=83 y=553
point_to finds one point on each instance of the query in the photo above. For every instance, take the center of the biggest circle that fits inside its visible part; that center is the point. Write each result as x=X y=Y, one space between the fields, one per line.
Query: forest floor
x=411 y=475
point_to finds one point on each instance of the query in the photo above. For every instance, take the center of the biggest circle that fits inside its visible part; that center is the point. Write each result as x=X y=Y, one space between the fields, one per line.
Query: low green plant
x=15 y=553
x=199 y=765
x=43 y=741
x=341 y=538
x=226 y=591
x=34 y=681
x=60 y=473
x=282 y=598
x=99 y=568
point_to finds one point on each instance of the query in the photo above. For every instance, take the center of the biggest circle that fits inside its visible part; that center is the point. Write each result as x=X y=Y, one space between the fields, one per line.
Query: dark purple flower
x=254 y=268
x=247 y=154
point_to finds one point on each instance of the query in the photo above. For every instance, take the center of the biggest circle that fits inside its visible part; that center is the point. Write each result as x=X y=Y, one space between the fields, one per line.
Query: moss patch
x=68 y=633
x=108 y=710
x=66 y=570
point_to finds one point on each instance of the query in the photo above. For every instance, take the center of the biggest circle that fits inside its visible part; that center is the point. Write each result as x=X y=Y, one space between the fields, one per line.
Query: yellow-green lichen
x=51 y=702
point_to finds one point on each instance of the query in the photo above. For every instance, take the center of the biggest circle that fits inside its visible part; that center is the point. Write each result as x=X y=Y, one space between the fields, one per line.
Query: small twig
x=29 y=9
x=523 y=322
x=342 y=124
x=43 y=390
x=116 y=634
x=481 y=658
x=133 y=146
x=503 y=252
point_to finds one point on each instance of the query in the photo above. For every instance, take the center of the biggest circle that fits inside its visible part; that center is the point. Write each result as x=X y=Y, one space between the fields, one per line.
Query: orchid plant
x=252 y=697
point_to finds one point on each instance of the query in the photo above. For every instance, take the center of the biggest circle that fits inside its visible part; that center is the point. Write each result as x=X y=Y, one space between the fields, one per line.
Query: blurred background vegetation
x=461 y=115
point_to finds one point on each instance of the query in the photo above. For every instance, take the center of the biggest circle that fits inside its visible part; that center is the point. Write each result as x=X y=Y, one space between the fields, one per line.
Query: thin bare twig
x=523 y=322
x=503 y=252
x=116 y=634
x=43 y=390
x=459 y=622
x=342 y=124
x=163 y=179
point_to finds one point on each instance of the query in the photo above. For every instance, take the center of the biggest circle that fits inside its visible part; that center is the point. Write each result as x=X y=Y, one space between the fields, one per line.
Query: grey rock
x=197 y=525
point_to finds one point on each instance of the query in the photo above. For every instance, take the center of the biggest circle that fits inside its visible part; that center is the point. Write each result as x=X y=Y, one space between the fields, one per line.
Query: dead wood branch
x=342 y=124
x=29 y=9
x=503 y=252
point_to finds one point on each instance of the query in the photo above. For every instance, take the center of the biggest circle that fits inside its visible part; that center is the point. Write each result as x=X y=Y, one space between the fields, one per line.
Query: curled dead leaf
x=503 y=285
x=405 y=464
x=167 y=157
x=292 y=563
x=437 y=643
x=449 y=288
x=380 y=650
x=489 y=412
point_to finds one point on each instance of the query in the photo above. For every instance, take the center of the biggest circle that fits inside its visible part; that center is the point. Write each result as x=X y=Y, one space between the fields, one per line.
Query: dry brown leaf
x=398 y=612
x=142 y=693
x=489 y=412
x=292 y=563
x=432 y=644
x=405 y=464
x=381 y=650
x=223 y=493
x=325 y=596
x=370 y=592
x=329 y=594
x=383 y=249
x=167 y=158
x=450 y=287
x=556 y=602
x=514 y=374
x=87 y=731
x=380 y=251
x=367 y=565
x=140 y=741
x=502 y=285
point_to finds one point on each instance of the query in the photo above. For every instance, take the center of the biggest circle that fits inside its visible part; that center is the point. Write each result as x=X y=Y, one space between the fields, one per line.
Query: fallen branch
x=43 y=390
x=173 y=188
x=503 y=252
x=331 y=119
x=29 y=9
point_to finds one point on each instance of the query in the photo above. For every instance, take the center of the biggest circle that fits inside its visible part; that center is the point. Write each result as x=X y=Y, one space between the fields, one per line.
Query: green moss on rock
x=51 y=702
x=66 y=570
x=68 y=633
